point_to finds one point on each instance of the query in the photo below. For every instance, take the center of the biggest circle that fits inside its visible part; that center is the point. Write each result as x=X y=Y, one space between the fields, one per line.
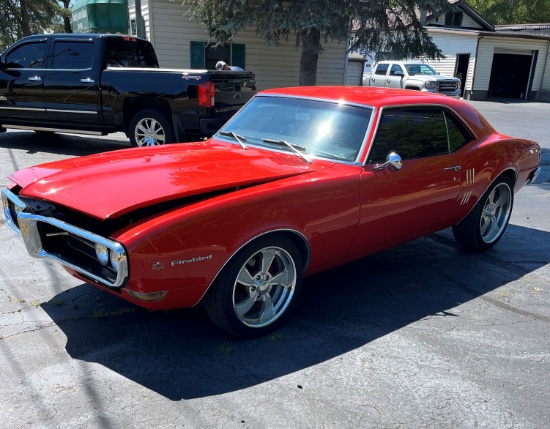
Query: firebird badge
x=187 y=77
x=157 y=266
x=189 y=261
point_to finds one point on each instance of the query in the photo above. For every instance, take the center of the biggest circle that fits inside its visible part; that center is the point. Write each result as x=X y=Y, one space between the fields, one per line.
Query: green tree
x=25 y=17
x=385 y=26
x=513 y=11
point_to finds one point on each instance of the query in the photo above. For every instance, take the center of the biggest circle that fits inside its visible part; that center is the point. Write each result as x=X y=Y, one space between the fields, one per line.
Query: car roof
x=362 y=95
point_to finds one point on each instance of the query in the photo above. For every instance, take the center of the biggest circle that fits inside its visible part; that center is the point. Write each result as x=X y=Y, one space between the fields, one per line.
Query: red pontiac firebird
x=300 y=180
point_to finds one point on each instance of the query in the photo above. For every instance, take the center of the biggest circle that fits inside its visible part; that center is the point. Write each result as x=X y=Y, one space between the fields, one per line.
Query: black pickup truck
x=105 y=83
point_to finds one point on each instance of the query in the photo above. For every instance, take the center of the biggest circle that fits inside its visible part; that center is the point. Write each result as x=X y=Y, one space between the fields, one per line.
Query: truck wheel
x=485 y=224
x=257 y=289
x=150 y=128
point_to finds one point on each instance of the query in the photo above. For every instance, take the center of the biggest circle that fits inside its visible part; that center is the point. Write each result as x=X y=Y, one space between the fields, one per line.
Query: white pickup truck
x=412 y=75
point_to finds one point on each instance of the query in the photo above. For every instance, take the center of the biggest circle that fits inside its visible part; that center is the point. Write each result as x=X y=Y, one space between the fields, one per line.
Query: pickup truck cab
x=413 y=75
x=105 y=83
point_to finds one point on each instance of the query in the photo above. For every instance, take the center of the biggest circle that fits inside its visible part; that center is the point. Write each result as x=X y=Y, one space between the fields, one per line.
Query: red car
x=300 y=180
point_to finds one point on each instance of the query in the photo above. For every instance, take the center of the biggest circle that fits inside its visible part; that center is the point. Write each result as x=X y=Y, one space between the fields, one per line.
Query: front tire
x=258 y=288
x=150 y=128
x=485 y=224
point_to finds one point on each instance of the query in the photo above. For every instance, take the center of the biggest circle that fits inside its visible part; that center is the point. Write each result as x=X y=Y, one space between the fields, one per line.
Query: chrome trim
x=470 y=176
x=453 y=168
x=28 y=109
x=534 y=175
x=10 y=196
x=27 y=227
x=35 y=78
x=58 y=130
x=86 y=112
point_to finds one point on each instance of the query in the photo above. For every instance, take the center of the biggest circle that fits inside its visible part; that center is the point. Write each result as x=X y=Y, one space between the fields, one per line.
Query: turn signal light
x=149 y=296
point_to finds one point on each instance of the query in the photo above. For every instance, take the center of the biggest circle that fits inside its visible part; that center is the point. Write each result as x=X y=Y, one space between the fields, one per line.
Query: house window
x=204 y=55
x=453 y=19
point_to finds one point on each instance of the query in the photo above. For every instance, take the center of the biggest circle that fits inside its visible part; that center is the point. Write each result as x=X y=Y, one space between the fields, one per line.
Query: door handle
x=34 y=78
x=87 y=80
x=454 y=168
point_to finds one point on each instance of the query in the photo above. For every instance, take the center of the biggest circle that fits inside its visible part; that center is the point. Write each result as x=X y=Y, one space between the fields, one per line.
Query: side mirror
x=398 y=73
x=393 y=162
x=2 y=65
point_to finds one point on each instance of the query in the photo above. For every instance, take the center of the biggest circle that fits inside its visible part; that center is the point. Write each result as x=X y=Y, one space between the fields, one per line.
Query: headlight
x=102 y=253
x=430 y=85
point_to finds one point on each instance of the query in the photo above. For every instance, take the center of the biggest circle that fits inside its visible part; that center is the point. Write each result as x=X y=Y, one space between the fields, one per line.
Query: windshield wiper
x=237 y=137
x=293 y=147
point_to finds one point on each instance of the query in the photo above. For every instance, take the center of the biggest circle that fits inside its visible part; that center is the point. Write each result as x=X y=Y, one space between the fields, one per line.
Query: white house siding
x=468 y=22
x=452 y=44
x=274 y=66
x=144 y=15
x=487 y=47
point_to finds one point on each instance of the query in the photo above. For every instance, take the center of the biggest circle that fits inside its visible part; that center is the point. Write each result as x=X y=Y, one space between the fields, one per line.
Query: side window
x=381 y=69
x=396 y=69
x=29 y=55
x=72 y=55
x=411 y=133
x=458 y=133
x=129 y=52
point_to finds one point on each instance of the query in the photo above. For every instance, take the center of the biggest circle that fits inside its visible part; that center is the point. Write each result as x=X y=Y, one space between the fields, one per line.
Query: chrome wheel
x=258 y=288
x=264 y=287
x=149 y=132
x=496 y=213
x=150 y=127
x=483 y=227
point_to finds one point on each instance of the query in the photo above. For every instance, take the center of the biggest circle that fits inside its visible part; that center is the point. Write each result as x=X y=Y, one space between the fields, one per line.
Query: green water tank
x=100 y=16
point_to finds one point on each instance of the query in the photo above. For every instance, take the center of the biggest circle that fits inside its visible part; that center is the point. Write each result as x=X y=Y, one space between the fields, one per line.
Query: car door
x=72 y=83
x=395 y=76
x=397 y=205
x=22 y=84
x=378 y=78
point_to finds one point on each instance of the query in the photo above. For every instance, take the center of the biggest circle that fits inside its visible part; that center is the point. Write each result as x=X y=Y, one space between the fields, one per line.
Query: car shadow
x=63 y=144
x=181 y=355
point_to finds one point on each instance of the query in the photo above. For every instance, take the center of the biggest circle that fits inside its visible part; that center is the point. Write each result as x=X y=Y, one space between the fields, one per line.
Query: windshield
x=422 y=69
x=319 y=128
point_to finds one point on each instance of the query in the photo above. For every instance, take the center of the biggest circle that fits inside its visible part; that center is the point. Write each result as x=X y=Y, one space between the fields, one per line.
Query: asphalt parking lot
x=425 y=335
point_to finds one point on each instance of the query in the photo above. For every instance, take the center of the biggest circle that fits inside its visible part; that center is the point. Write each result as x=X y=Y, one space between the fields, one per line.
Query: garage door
x=511 y=73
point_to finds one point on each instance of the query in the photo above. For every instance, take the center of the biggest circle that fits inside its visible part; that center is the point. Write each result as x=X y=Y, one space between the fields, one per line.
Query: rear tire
x=150 y=128
x=257 y=289
x=485 y=224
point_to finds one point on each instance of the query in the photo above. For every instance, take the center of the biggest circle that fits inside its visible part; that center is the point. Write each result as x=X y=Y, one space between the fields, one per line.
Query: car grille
x=72 y=246
x=446 y=86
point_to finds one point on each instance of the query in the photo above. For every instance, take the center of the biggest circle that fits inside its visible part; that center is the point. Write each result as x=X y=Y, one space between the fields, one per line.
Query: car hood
x=110 y=184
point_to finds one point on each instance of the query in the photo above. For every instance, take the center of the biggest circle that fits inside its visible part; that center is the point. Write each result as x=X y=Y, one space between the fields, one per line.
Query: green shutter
x=197 y=55
x=238 y=55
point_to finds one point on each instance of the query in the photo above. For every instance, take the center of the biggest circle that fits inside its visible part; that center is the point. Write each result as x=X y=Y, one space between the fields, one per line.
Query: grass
x=226 y=348
x=100 y=312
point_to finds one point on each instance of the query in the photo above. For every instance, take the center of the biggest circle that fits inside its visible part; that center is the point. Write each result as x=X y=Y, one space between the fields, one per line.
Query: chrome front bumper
x=533 y=176
x=27 y=226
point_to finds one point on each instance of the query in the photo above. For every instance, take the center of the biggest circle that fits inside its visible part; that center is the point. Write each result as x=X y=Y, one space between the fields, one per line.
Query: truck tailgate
x=232 y=90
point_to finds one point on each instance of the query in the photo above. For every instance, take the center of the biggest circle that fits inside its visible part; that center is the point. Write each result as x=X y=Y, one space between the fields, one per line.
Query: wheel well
x=134 y=105
x=511 y=174
x=297 y=239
